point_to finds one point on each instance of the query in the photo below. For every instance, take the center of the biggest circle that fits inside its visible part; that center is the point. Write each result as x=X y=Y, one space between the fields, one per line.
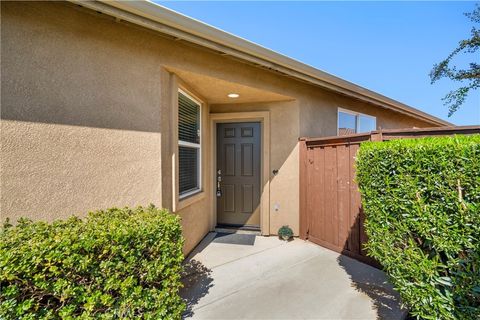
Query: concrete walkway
x=273 y=279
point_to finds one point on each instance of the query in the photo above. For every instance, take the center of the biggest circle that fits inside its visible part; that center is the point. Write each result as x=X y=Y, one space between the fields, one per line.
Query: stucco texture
x=88 y=110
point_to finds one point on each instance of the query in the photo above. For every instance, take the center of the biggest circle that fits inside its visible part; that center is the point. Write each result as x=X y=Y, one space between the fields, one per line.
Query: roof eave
x=156 y=17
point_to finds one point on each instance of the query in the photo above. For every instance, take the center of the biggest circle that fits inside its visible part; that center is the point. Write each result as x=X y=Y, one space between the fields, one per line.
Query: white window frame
x=357 y=119
x=197 y=146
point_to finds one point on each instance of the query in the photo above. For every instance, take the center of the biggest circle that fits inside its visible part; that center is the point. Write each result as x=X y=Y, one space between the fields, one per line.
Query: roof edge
x=164 y=20
x=401 y=133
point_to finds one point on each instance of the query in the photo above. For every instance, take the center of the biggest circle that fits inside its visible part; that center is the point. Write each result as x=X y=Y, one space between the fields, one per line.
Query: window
x=189 y=148
x=350 y=122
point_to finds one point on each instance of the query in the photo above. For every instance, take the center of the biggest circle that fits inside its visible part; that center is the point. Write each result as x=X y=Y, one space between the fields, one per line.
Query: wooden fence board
x=330 y=204
x=343 y=195
x=330 y=207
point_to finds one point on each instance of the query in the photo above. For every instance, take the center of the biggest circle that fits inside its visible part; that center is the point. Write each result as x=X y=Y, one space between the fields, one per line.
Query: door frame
x=263 y=117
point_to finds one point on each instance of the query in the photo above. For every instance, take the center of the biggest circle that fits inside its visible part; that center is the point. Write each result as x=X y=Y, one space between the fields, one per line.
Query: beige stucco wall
x=319 y=115
x=88 y=120
x=80 y=127
x=284 y=133
x=51 y=171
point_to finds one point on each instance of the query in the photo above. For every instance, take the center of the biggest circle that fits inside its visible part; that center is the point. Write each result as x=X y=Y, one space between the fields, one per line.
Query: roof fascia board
x=163 y=20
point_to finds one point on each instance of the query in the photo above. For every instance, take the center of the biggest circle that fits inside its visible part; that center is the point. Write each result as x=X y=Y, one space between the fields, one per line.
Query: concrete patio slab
x=273 y=279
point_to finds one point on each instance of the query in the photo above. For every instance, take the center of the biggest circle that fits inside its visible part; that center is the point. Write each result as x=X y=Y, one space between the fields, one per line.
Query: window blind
x=189 y=151
x=188 y=119
x=188 y=169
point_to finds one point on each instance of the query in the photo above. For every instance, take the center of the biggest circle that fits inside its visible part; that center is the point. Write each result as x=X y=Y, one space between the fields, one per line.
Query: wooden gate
x=330 y=206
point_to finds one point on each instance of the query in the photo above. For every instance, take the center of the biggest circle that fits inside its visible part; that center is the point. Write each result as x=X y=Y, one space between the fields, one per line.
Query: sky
x=388 y=47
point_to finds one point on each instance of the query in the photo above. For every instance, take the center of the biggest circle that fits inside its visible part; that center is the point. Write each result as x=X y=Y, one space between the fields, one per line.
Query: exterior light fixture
x=233 y=95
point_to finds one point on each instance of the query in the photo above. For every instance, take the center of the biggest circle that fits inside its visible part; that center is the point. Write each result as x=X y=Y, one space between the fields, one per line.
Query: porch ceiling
x=216 y=90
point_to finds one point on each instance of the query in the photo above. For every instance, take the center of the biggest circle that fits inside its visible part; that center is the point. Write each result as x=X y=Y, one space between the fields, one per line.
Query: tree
x=469 y=77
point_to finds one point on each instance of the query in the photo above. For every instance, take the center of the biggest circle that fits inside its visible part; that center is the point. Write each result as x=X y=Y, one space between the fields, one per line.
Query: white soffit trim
x=164 y=20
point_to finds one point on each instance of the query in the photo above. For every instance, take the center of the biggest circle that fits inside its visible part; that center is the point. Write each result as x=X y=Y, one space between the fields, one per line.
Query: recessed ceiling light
x=233 y=95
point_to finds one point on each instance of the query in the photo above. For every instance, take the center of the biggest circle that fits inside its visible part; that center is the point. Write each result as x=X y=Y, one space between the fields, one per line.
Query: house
x=128 y=103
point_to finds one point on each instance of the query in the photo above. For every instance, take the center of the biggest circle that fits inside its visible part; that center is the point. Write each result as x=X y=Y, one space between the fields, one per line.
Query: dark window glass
x=188 y=169
x=188 y=119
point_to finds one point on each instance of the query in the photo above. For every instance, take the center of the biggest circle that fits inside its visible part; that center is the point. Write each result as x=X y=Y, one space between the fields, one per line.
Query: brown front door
x=238 y=173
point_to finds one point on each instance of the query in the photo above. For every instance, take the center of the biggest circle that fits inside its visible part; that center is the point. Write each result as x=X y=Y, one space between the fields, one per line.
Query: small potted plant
x=285 y=233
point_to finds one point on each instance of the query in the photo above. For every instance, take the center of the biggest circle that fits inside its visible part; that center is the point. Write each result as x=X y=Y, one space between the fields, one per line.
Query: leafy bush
x=117 y=263
x=421 y=198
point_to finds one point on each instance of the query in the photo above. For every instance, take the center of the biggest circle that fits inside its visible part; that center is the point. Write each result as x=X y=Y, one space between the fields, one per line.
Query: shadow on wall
x=373 y=282
x=197 y=282
x=63 y=72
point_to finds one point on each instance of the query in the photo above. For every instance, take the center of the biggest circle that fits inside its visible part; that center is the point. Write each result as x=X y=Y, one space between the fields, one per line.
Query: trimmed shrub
x=117 y=263
x=421 y=199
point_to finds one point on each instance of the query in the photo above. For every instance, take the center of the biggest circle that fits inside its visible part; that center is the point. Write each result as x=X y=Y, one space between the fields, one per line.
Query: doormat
x=235 y=238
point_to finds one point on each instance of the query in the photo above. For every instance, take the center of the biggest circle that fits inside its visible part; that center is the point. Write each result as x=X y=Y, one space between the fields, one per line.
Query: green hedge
x=421 y=198
x=117 y=263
